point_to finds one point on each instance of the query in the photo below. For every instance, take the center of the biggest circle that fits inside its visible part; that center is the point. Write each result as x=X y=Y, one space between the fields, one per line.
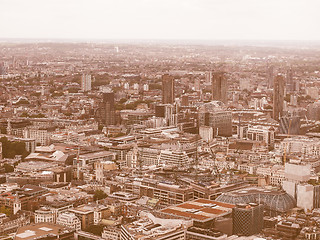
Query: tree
x=8 y=168
x=95 y=229
x=5 y=210
x=153 y=86
x=12 y=148
x=99 y=194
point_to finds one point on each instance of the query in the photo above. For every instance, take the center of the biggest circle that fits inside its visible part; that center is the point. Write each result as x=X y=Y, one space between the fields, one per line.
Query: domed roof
x=278 y=201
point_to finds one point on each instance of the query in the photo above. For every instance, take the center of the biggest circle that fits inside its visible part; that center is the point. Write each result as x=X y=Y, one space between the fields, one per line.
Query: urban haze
x=159 y=120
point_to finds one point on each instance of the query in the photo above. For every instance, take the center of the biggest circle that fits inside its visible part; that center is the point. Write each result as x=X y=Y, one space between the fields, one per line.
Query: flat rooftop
x=200 y=209
x=95 y=154
x=40 y=230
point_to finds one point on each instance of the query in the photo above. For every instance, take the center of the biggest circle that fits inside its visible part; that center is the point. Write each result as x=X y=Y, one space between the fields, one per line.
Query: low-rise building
x=44 y=214
x=69 y=220
x=44 y=231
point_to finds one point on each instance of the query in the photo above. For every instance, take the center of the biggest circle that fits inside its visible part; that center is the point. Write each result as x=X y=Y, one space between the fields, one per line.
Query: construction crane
x=78 y=164
x=215 y=168
x=285 y=148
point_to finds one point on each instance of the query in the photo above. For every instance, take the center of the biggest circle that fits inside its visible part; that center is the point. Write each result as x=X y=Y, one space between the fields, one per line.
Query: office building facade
x=247 y=219
x=219 y=87
x=278 y=96
x=167 y=89
x=86 y=82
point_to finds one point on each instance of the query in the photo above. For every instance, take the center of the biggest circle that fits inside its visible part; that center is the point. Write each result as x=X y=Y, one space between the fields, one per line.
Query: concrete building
x=111 y=233
x=69 y=220
x=90 y=214
x=205 y=214
x=291 y=85
x=168 y=112
x=91 y=158
x=219 y=87
x=168 y=89
x=206 y=133
x=296 y=184
x=41 y=136
x=301 y=145
x=278 y=96
x=44 y=231
x=149 y=226
x=305 y=196
x=149 y=156
x=103 y=166
x=106 y=110
x=290 y=125
x=259 y=133
x=247 y=219
x=86 y=82
x=167 y=193
x=313 y=92
x=270 y=76
x=44 y=214
x=174 y=158
x=313 y=111
x=213 y=115
x=288 y=230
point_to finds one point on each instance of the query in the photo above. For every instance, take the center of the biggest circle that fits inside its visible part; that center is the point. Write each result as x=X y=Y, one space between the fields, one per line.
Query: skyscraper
x=86 y=82
x=167 y=89
x=2 y=69
x=270 y=76
x=278 y=96
x=106 y=110
x=247 y=219
x=208 y=77
x=213 y=115
x=290 y=125
x=219 y=87
x=291 y=85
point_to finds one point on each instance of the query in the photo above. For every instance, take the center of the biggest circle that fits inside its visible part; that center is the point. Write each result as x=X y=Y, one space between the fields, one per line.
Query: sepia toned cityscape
x=169 y=120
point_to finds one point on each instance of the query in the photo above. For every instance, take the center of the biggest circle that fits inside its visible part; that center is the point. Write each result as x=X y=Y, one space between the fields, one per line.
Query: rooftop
x=95 y=154
x=40 y=230
x=200 y=209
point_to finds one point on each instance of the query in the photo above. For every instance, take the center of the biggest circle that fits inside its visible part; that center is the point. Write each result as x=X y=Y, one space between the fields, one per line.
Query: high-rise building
x=313 y=111
x=247 y=219
x=213 y=114
x=290 y=125
x=219 y=87
x=174 y=158
x=2 y=69
x=86 y=82
x=168 y=112
x=270 y=76
x=290 y=84
x=167 y=89
x=278 y=96
x=106 y=110
x=208 y=77
x=185 y=100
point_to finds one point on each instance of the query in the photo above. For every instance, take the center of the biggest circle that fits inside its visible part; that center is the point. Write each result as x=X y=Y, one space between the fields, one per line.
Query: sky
x=161 y=19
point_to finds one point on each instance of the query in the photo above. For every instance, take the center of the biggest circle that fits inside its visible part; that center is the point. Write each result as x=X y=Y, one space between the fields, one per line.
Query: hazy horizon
x=169 y=20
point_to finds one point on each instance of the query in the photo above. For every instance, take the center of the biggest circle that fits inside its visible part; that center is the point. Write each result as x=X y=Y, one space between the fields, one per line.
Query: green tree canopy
x=99 y=194
x=12 y=148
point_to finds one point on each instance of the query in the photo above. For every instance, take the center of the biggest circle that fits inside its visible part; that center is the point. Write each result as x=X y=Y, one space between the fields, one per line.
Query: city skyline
x=149 y=119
